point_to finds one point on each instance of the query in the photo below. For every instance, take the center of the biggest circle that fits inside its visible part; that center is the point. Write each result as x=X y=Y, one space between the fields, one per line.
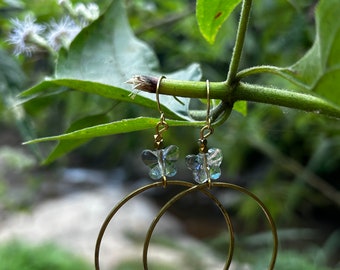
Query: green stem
x=194 y=89
x=250 y=92
x=42 y=43
x=67 y=5
x=285 y=98
x=240 y=36
x=269 y=69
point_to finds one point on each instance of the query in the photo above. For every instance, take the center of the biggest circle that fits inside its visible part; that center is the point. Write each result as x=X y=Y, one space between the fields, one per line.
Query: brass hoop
x=171 y=202
x=191 y=187
x=203 y=187
x=111 y=215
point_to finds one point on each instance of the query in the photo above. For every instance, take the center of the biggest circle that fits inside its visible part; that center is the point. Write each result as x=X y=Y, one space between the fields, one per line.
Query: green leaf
x=123 y=126
x=112 y=92
x=211 y=14
x=319 y=69
x=105 y=55
x=241 y=107
x=67 y=146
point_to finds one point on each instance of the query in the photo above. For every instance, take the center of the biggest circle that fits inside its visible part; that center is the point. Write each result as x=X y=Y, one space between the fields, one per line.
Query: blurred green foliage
x=17 y=255
x=130 y=265
x=18 y=186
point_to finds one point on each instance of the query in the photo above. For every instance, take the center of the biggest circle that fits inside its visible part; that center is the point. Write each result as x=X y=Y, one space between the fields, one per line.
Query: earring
x=161 y=161
x=206 y=164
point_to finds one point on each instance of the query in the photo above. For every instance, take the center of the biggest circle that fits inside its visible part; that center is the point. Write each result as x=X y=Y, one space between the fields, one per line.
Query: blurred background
x=290 y=159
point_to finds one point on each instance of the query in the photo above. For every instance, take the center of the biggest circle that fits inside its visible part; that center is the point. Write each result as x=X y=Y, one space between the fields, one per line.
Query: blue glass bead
x=205 y=166
x=161 y=162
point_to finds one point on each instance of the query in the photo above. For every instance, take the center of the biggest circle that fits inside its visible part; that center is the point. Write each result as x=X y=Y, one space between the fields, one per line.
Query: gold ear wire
x=162 y=125
x=207 y=130
x=208 y=101
x=157 y=93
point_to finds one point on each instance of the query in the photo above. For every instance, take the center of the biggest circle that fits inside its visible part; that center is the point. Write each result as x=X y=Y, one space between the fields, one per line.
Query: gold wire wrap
x=204 y=188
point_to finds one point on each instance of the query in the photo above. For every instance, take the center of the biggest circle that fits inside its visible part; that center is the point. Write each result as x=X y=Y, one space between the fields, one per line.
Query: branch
x=286 y=98
x=193 y=89
x=269 y=69
x=240 y=36
x=242 y=91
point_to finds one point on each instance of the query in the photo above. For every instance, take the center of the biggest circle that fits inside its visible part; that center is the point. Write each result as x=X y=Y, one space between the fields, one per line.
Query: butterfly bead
x=205 y=166
x=161 y=162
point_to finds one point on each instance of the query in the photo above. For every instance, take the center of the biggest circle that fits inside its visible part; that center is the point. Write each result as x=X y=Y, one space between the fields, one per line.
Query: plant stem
x=194 y=89
x=241 y=91
x=270 y=69
x=240 y=36
x=42 y=43
x=285 y=98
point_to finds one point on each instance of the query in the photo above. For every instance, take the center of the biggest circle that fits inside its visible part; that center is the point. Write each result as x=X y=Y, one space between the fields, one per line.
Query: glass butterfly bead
x=205 y=166
x=161 y=162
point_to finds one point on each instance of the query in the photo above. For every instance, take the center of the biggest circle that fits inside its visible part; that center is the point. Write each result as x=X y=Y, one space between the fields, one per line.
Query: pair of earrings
x=205 y=166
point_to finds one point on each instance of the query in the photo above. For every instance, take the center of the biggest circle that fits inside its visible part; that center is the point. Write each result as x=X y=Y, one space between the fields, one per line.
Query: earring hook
x=157 y=93
x=208 y=101
x=207 y=130
x=162 y=125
